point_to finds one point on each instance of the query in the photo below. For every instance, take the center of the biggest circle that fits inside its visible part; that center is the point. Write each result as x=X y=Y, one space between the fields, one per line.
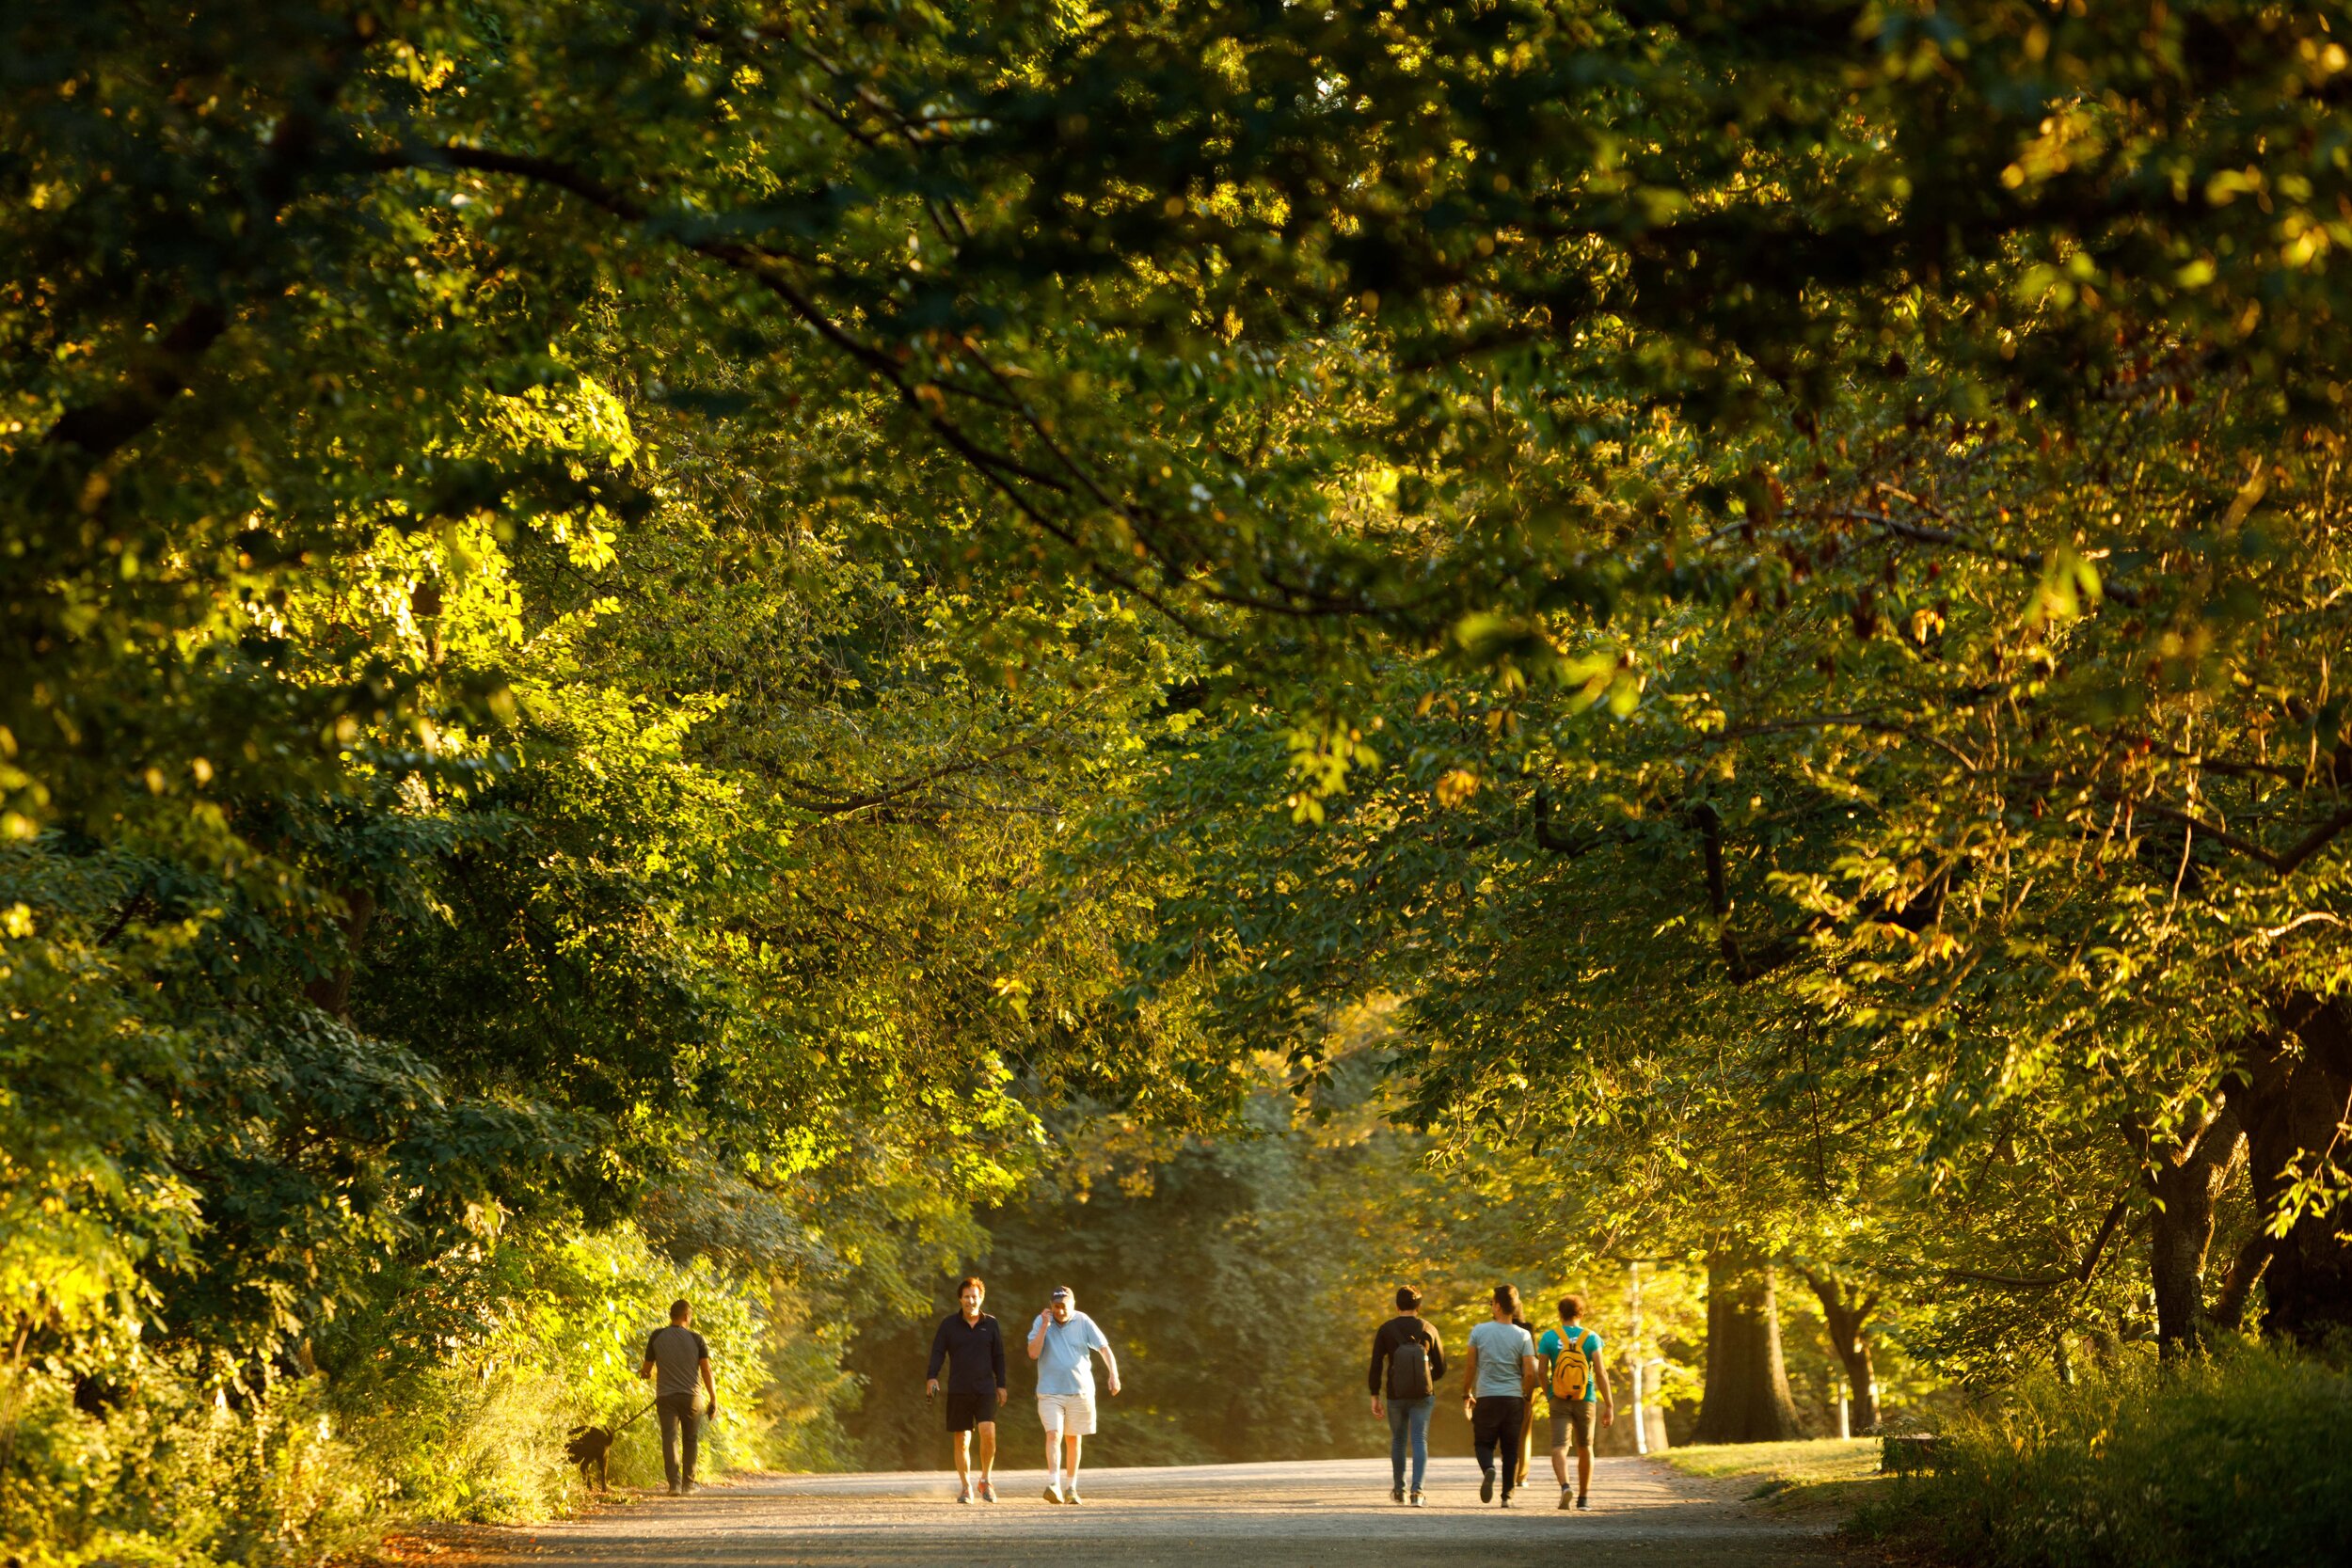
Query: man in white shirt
x=1063 y=1342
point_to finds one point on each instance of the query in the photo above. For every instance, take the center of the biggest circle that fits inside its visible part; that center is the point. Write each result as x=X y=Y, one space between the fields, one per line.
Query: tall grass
x=2244 y=1458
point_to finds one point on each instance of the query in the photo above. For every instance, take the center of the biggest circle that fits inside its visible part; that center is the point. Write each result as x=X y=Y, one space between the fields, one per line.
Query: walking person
x=1527 y=1430
x=971 y=1347
x=679 y=1356
x=1063 y=1342
x=1501 y=1375
x=1575 y=1376
x=1407 y=1361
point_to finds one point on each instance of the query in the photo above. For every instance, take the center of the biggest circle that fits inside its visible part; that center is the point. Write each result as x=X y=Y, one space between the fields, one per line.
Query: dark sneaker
x=988 y=1491
x=963 y=1495
x=1506 y=1499
x=1415 y=1499
x=1486 y=1487
x=1396 y=1493
x=1584 y=1502
x=674 y=1489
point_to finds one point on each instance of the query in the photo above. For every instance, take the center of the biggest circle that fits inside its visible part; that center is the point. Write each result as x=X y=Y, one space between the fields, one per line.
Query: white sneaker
x=1053 y=1491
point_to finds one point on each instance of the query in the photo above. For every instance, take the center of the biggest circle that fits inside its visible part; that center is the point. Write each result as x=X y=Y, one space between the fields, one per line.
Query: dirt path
x=1336 y=1514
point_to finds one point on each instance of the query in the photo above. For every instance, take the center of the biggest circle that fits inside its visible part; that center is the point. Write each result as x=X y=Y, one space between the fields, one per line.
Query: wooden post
x=1845 y=1413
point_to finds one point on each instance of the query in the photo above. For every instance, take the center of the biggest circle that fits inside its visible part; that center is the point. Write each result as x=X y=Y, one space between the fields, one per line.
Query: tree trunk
x=1746 y=1398
x=333 y=991
x=2186 y=1181
x=1847 y=1315
x=2295 y=1105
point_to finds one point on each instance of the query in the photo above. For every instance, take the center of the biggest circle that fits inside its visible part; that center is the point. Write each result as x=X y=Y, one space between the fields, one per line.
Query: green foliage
x=2239 y=1459
x=616 y=596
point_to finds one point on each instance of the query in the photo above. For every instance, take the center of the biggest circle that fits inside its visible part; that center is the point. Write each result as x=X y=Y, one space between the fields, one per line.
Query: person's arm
x=1036 y=1338
x=1600 y=1377
x=1470 y=1377
x=646 y=1370
x=939 y=1358
x=1379 y=1354
x=1436 y=1356
x=1531 y=1373
x=1110 y=1364
x=710 y=1389
x=996 y=1359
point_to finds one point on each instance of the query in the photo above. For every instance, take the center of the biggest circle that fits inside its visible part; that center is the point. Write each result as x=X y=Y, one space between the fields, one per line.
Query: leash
x=632 y=1420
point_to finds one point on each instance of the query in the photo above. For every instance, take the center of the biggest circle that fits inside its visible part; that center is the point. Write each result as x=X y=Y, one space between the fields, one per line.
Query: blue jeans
x=1408 y=1422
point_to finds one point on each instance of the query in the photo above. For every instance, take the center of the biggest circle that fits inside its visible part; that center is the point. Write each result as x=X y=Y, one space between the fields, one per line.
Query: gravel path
x=1335 y=1514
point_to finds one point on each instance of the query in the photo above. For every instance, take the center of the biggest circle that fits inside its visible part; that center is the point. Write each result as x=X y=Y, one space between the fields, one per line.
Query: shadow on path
x=1335 y=1514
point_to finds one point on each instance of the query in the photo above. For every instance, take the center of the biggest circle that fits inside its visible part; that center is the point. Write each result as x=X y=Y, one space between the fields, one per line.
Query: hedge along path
x=1283 y=1515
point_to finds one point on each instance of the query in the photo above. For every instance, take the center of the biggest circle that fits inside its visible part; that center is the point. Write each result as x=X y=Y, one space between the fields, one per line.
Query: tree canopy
x=623 y=598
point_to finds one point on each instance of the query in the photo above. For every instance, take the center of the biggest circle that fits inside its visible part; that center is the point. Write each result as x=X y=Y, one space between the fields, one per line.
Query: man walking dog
x=972 y=1348
x=679 y=1354
x=1063 y=1342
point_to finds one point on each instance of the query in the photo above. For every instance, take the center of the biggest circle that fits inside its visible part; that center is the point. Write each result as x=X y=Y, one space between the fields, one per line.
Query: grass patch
x=1828 y=1470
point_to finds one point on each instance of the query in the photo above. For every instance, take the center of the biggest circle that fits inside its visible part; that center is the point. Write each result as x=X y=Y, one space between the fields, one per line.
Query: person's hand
x=1608 y=1415
x=1378 y=1410
x=1002 y=1395
x=930 y=1387
x=1114 y=1384
x=711 y=1412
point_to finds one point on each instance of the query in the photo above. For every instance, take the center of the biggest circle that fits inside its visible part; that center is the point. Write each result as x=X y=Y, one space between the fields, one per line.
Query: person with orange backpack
x=1575 y=1376
x=1406 y=1362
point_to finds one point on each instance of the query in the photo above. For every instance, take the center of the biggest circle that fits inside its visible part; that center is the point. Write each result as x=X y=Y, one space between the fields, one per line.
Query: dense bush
x=541 y=1334
x=2242 y=1458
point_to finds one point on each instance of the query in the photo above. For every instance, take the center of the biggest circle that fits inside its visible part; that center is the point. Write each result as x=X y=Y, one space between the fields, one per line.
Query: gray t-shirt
x=676 y=1354
x=1503 y=1350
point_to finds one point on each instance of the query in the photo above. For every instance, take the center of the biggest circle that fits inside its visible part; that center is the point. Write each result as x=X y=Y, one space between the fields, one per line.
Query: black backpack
x=1408 y=1367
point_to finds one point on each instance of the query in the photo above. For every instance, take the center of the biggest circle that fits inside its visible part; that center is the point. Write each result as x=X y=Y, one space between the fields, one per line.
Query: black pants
x=1496 y=1424
x=677 y=1414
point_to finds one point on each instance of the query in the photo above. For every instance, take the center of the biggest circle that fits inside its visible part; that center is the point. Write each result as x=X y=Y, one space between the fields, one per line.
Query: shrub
x=451 y=1400
x=2241 y=1458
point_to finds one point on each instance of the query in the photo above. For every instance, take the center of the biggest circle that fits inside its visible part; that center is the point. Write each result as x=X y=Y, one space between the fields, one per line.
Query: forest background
x=1210 y=652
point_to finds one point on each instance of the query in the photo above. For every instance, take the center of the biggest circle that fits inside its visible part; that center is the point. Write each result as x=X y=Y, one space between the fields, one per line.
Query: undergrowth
x=2244 y=1458
x=281 y=1467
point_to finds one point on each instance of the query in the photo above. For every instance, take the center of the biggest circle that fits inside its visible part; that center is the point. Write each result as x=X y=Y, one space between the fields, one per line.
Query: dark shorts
x=1573 y=1419
x=966 y=1411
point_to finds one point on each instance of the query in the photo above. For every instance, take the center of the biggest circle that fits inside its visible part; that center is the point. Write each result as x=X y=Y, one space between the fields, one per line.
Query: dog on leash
x=591 y=1445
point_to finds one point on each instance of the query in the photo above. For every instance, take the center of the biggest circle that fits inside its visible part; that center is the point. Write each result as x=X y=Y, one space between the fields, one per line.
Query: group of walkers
x=1507 y=1363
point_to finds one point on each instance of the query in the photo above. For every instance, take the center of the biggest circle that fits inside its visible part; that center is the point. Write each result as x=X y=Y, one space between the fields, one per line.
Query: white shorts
x=1066 y=1415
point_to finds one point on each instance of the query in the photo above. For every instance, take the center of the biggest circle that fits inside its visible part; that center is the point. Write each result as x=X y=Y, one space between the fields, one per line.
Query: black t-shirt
x=974 y=1354
x=1398 y=1331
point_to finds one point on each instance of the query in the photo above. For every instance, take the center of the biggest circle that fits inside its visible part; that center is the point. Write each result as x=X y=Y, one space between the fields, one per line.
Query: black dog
x=593 y=1446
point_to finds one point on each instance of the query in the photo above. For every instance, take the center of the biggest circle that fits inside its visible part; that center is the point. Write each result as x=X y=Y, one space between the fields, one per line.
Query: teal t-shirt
x=1501 y=1347
x=1551 y=1344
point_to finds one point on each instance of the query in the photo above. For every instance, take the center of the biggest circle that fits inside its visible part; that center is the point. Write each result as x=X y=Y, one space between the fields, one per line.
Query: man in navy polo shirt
x=972 y=1349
